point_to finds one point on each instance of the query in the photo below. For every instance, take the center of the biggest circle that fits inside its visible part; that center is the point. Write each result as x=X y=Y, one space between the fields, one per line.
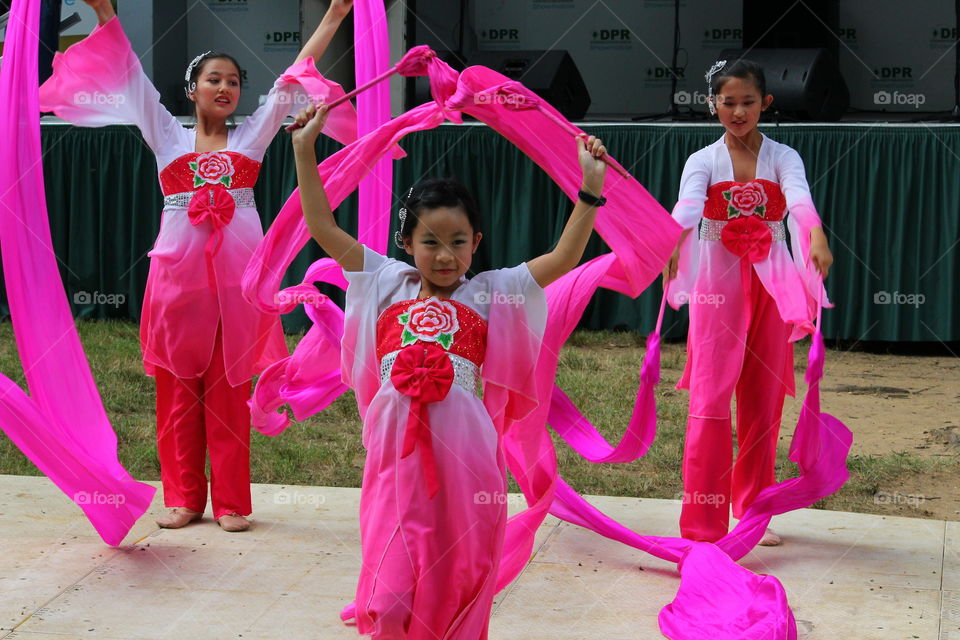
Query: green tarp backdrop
x=889 y=196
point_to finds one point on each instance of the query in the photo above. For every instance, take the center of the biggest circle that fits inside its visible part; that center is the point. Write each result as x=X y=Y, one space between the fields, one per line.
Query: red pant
x=196 y=414
x=747 y=352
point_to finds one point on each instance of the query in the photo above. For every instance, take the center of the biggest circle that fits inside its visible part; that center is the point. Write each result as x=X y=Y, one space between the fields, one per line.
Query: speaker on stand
x=806 y=83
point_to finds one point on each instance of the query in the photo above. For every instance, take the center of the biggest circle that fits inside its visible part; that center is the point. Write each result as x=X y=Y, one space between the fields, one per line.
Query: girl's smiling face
x=442 y=245
x=739 y=105
x=218 y=88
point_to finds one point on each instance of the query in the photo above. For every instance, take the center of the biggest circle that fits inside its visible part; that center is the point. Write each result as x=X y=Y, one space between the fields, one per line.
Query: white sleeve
x=693 y=191
x=793 y=182
x=379 y=282
x=99 y=81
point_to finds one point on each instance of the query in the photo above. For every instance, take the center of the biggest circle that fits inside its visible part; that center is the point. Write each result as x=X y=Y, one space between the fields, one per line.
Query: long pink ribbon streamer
x=61 y=426
x=750 y=604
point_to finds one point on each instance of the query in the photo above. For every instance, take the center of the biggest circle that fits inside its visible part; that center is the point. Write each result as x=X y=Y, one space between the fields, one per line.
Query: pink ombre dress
x=749 y=299
x=433 y=503
x=210 y=226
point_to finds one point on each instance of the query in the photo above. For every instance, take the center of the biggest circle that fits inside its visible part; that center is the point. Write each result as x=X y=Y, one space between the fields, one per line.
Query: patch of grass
x=598 y=370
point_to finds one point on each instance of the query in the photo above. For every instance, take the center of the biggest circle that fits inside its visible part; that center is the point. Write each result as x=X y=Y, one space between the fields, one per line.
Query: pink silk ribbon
x=61 y=426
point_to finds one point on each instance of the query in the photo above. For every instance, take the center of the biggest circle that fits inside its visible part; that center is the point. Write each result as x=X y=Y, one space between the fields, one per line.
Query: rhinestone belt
x=242 y=196
x=465 y=372
x=711 y=229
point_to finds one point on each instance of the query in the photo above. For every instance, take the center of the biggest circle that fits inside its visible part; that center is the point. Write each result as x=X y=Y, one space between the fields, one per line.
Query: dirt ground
x=895 y=403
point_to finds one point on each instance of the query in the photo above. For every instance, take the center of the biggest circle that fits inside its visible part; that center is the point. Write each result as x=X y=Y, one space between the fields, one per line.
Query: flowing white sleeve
x=370 y=291
x=99 y=81
x=693 y=191
x=793 y=181
x=802 y=218
x=688 y=212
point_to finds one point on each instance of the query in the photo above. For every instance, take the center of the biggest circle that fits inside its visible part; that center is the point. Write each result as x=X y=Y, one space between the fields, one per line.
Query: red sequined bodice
x=454 y=326
x=193 y=171
x=761 y=198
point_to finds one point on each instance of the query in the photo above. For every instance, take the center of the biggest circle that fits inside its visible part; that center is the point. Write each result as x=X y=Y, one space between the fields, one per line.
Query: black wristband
x=590 y=199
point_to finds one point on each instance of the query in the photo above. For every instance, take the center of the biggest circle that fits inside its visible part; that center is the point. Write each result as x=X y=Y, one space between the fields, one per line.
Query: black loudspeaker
x=805 y=83
x=552 y=75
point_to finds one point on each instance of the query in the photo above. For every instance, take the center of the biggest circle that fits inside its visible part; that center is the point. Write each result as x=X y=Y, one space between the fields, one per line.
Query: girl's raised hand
x=341 y=7
x=591 y=152
x=308 y=124
x=104 y=9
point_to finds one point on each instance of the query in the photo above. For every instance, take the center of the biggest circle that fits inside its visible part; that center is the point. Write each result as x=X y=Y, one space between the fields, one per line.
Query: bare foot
x=770 y=539
x=178 y=517
x=233 y=522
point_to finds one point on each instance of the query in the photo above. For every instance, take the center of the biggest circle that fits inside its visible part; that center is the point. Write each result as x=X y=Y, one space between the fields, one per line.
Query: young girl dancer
x=201 y=340
x=748 y=301
x=432 y=507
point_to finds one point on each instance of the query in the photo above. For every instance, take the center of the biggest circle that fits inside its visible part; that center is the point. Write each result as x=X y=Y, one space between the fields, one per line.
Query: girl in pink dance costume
x=432 y=506
x=748 y=299
x=200 y=338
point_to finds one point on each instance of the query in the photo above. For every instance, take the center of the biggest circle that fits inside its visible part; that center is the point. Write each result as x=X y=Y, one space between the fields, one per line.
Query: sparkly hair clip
x=714 y=70
x=192 y=86
x=398 y=236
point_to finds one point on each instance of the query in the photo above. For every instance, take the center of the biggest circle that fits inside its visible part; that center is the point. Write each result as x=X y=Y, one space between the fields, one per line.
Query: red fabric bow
x=748 y=238
x=215 y=204
x=423 y=372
